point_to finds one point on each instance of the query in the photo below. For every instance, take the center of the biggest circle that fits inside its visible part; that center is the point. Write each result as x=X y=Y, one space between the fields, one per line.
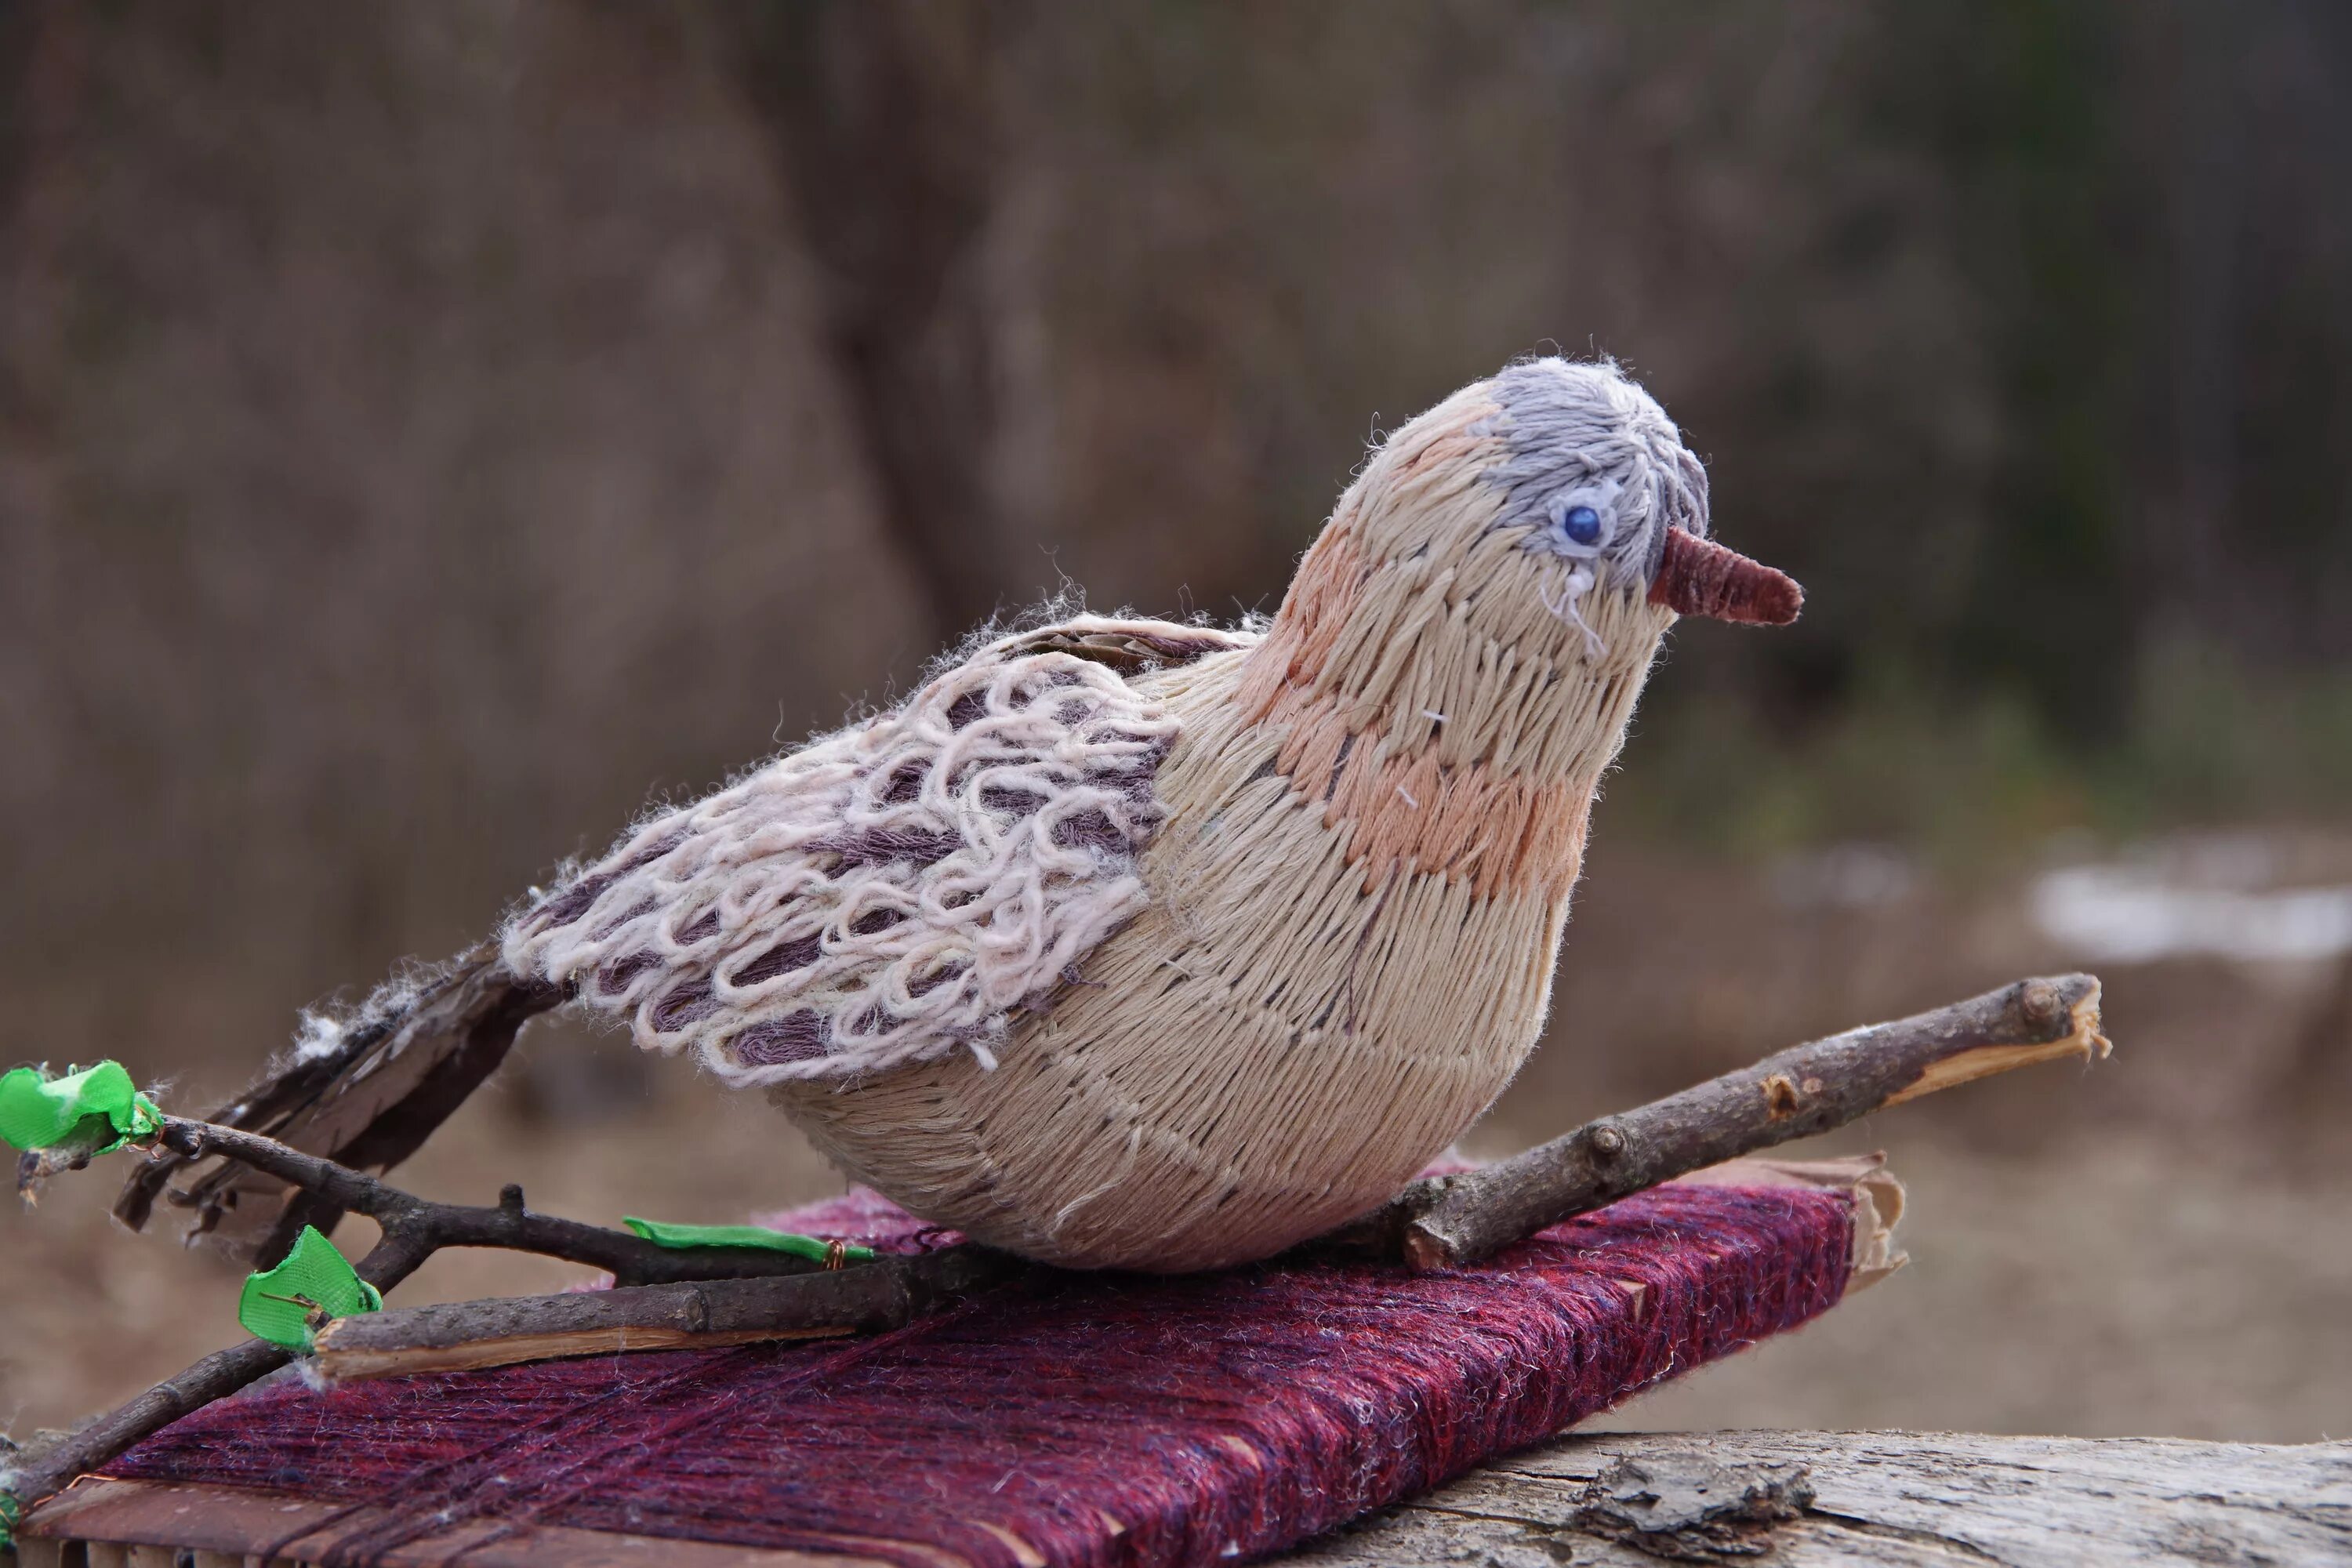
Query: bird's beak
x=1700 y=577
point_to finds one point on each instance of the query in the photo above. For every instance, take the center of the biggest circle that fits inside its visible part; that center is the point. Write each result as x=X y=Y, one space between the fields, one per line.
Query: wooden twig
x=414 y=1229
x=867 y=1297
x=1807 y=1090
x=460 y=1335
x=41 y=1470
x=631 y=1259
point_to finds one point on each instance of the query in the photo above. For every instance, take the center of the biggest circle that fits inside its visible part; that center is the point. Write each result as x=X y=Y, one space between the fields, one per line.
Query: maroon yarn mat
x=1115 y=1420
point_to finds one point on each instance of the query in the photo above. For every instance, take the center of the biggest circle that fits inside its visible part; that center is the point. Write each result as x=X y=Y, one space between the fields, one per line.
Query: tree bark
x=1801 y=1092
x=1886 y=1500
x=43 y=1469
x=1815 y=1500
x=889 y=141
x=1451 y=1220
x=1806 y=1089
x=463 y=1335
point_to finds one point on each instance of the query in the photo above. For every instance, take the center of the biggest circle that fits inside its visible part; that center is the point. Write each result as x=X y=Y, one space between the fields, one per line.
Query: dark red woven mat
x=1072 y=1419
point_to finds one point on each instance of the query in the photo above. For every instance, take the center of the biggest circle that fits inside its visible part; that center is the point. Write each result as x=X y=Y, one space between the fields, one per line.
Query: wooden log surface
x=1886 y=1500
x=1780 y=1499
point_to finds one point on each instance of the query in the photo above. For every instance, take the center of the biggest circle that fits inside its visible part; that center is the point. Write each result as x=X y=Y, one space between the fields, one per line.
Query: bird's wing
x=894 y=891
x=985 y=834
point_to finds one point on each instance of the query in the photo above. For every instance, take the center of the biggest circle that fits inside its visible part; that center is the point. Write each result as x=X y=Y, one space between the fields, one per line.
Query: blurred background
x=430 y=433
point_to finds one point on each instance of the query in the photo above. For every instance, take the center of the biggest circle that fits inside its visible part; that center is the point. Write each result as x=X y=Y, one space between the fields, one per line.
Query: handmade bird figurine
x=1131 y=943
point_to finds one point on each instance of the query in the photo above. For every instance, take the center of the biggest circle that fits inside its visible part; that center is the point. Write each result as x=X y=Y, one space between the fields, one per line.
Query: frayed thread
x=1578 y=583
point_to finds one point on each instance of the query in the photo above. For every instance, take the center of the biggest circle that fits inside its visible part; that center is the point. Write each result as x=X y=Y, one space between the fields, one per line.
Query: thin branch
x=1448 y=1221
x=631 y=1259
x=799 y=1295
x=1799 y=1092
x=461 y=1335
x=1808 y=1089
x=42 y=1470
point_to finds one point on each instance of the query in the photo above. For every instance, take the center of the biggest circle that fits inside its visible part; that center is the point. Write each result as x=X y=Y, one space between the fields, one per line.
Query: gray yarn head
x=1584 y=436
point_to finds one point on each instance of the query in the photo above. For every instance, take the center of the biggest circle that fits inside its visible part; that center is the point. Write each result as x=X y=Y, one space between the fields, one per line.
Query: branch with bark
x=414 y=1229
x=428 y=1226
x=1807 y=1090
x=669 y=1299
x=871 y=1298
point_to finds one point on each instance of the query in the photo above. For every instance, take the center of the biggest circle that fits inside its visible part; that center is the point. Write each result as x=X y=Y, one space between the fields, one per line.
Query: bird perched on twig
x=1131 y=943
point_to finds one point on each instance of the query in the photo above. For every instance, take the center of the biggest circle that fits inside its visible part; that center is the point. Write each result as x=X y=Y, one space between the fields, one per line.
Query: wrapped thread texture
x=1104 y=1420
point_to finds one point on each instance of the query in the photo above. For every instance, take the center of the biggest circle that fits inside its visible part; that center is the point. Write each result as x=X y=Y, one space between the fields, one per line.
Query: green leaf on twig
x=98 y=1106
x=682 y=1238
x=316 y=1284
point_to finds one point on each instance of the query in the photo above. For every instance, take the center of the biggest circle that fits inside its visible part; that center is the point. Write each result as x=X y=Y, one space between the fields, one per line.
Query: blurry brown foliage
x=425 y=428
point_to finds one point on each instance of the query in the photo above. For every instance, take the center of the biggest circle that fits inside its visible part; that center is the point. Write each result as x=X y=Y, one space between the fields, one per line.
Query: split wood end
x=1798 y=1093
x=2073 y=998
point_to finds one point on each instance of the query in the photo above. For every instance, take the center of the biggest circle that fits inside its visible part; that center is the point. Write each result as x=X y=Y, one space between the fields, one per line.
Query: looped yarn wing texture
x=893 y=891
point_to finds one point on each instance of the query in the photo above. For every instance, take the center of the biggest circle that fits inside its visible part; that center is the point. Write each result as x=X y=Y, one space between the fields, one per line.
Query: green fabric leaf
x=10 y=1512
x=280 y=1304
x=99 y=1106
x=683 y=1236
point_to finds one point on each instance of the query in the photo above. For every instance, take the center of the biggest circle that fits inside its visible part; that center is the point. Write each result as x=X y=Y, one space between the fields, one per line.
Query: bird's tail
x=365 y=1090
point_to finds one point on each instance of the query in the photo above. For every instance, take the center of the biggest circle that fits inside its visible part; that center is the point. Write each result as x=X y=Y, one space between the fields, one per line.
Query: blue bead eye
x=1581 y=524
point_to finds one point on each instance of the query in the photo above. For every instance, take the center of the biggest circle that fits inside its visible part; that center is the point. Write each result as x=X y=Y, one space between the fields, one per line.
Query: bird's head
x=1572 y=474
x=1518 y=551
x=1590 y=473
